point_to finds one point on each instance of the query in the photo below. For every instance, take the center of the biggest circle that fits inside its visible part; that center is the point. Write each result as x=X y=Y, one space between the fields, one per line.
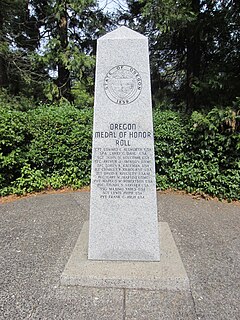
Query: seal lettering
x=123 y=84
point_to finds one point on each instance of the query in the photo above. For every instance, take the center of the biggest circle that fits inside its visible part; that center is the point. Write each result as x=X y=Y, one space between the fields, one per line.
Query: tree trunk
x=3 y=68
x=63 y=81
x=193 y=56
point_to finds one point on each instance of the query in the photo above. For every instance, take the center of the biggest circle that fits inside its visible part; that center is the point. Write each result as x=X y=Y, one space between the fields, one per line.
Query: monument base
x=169 y=273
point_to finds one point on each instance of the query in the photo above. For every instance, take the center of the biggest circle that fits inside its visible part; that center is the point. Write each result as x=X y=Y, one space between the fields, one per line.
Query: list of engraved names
x=123 y=172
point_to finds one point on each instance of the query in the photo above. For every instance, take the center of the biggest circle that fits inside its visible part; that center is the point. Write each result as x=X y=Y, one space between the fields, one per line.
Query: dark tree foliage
x=47 y=48
x=194 y=47
x=47 y=60
x=19 y=36
x=69 y=29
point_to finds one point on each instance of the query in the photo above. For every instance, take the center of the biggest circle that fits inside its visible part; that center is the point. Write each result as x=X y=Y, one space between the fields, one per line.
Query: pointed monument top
x=122 y=33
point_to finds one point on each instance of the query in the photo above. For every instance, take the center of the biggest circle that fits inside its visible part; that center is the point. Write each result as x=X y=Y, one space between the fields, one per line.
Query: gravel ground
x=38 y=234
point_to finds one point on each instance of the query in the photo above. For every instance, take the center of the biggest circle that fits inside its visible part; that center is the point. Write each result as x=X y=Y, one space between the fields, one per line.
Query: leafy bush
x=31 y=180
x=50 y=147
x=200 y=153
x=13 y=145
x=215 y=153
x=170 y=136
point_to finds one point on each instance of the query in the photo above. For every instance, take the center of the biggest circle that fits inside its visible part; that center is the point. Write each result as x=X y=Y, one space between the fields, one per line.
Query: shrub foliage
x=199 y=153
x=50 y=147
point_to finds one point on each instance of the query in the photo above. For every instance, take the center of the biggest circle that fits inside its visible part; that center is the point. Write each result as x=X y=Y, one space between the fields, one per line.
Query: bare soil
x=196 y=196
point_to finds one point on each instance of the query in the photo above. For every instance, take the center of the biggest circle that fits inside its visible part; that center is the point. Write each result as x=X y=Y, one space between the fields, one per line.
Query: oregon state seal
x=123 y=84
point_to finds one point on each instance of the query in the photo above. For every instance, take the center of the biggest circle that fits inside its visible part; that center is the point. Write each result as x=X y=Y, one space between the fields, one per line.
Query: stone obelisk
x=123 y=210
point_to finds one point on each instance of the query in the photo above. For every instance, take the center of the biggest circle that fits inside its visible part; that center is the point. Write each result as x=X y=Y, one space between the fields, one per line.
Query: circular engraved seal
x=123 y=84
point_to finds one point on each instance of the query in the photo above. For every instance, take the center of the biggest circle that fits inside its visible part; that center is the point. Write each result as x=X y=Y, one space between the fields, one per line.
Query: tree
x=48 y=47
x=163 y=22
x=3 y=69
x=193 y=47
x=193 y=61
x=69 y=32
x=19 y=37
x=63 y=80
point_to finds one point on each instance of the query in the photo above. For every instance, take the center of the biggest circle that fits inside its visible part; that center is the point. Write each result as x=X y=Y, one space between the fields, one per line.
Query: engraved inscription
x=123 y=134
x=123 y=173
x=123 y=84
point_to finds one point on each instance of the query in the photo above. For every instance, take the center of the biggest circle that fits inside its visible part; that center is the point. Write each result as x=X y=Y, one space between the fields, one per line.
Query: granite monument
x=123 y=211
x=120 y=246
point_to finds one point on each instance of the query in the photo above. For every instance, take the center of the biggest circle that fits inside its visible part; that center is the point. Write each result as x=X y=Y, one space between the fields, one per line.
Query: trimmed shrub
x=170 y=139
x=13 y=146
x=50 y=147
x=200 y=153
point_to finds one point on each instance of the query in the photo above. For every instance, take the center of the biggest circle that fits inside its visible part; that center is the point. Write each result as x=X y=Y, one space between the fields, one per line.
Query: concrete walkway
x=38 y=235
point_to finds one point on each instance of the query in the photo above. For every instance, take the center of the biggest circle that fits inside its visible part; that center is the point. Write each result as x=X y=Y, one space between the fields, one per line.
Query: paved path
x=39 y=233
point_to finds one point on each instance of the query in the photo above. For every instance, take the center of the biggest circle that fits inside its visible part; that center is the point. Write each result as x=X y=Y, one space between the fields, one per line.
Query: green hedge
x=199 y=153
x=50 y=147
